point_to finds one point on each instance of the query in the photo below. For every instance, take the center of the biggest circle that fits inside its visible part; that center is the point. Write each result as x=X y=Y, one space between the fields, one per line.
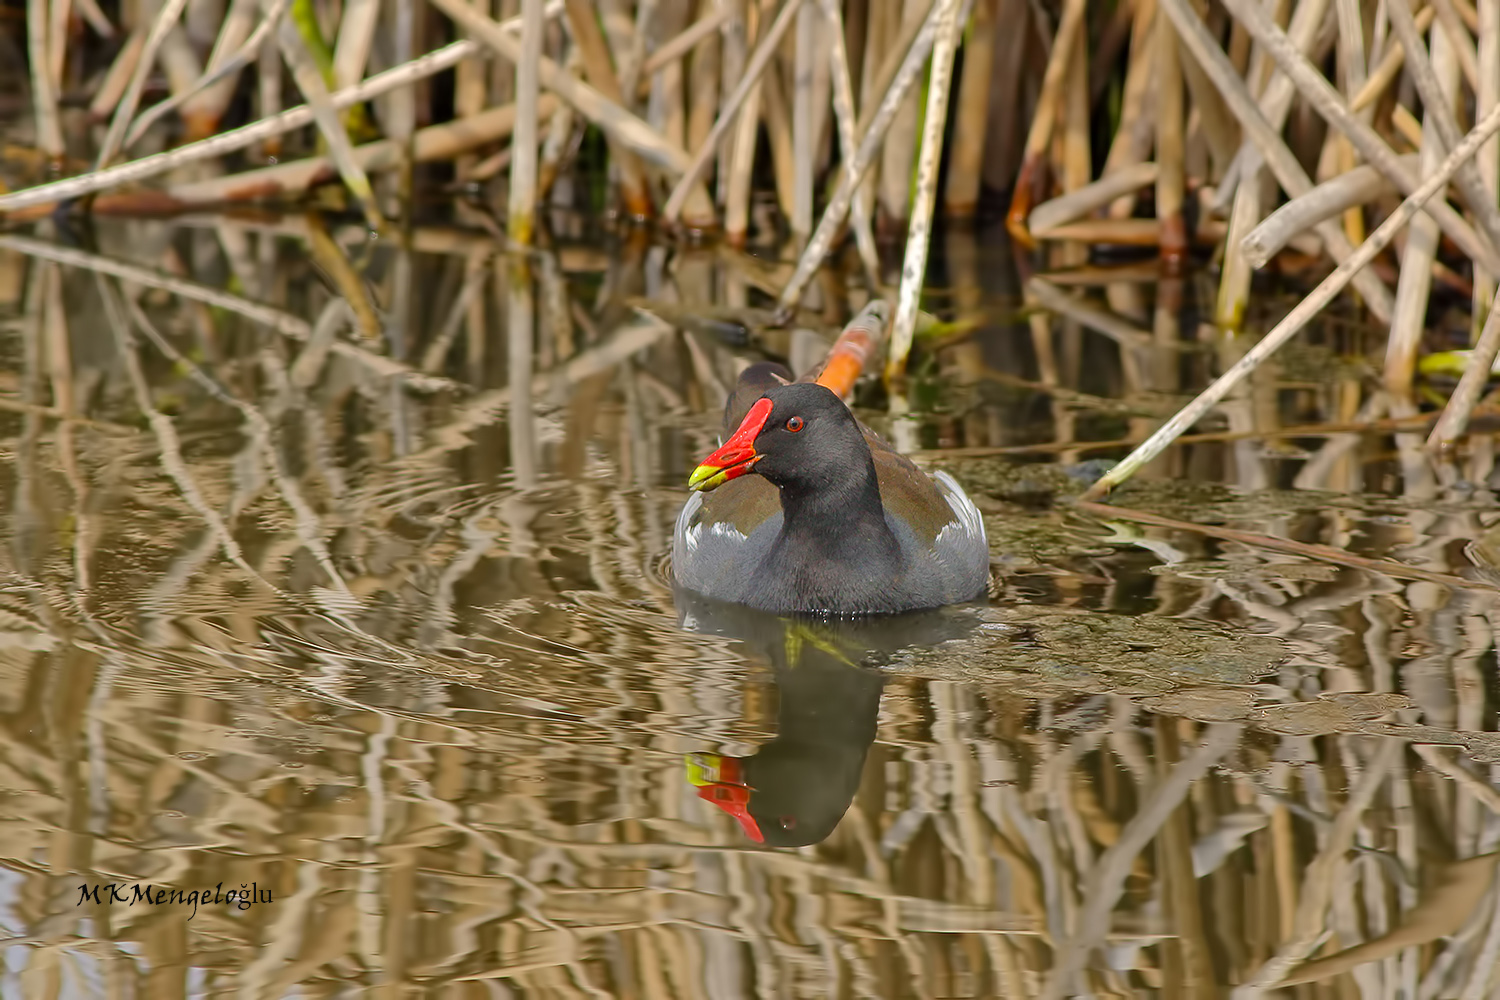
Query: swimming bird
x=804 y=510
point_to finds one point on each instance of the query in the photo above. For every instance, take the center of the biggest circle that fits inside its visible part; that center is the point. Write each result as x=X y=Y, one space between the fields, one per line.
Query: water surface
x=394 y=648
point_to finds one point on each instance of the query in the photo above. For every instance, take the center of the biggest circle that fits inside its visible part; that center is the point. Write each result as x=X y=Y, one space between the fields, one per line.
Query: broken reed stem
x=949 y=21
x=1076 y=204
x=1328 y=200
x=1301 y=314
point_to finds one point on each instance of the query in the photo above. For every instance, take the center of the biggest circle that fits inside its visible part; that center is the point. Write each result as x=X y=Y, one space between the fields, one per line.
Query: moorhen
x=833 y=521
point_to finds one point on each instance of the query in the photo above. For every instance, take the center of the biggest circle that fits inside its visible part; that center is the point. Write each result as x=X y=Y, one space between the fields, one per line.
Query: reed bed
x=1217 y=128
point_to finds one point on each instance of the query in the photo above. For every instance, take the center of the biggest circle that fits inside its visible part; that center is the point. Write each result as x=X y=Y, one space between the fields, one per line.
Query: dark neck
x=839 y=517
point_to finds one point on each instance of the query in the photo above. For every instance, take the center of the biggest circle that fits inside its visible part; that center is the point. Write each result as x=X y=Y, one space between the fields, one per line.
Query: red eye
x=794 y=424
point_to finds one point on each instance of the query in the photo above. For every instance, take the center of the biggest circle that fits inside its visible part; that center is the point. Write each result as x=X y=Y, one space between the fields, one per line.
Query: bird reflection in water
x=793 y=791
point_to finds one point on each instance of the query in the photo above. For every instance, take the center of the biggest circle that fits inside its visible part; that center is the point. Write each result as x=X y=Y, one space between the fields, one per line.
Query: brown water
x=398 y=653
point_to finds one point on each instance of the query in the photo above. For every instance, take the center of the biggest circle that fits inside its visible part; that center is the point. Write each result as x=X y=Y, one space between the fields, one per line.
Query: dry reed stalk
x=97 y=19
x=1283 y=165
x=846 y=120
x=1170 y=179
x=733 y=48
x=1354 y=66
x=1437 y=108
x=1275 y=96
x=1328 y=200
x=117 y=78
x=1457 y=33
x=1235 y=272
x=893 y=185
x=823 y=144
x=205 y=99
x=204 y=102
x=741 y=158
x=598 y=69
x=179 y=60
x=1214 y=123
x=166 y=17
x=1031 y=177
x=850 y=180
x=703 y=94
x=1321 y=96
x=520 y=212
x=292 y=178
x=1302 y=313
x=611 y=118
x=1485 y=98
x=57 y=35
x=470 y=95
x=235 y=139
x=309 y=79
x=765 y=50
x=697 y=33
x=1135 y=133
x=356 y=37
x=804 y=140
x=1078 y=157
x=668 y=101
x=883 y=25
x=778 y=119
x=1075 y=204
x=949 y=20
x=1455 y=419
x=268 y=96
x=1389 y=66
x=857 y=344
x=966 y=163
x=1414 y=285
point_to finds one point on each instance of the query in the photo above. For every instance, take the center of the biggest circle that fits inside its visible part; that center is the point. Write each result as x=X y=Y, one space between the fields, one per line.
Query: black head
x=800 y=435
